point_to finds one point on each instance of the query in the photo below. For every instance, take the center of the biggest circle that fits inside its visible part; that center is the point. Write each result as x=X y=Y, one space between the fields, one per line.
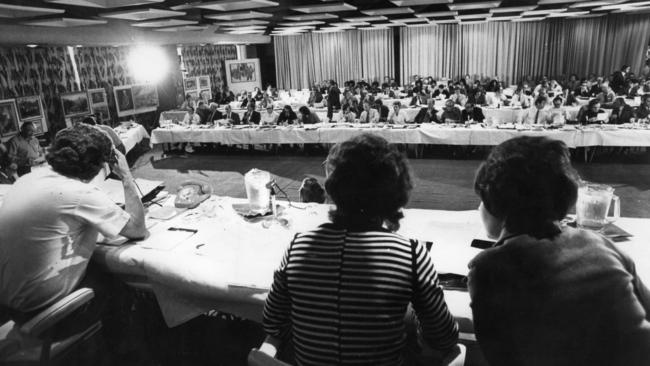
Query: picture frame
x=145 y=98
x=124 y=100
x=38 y=125
x=190 y=84
x=103 y=113
x=206 y=95
x=243 y=72
x=75 y=103
x=204 y=82
x=29 y=107
x=8 y=118
x=97 y=96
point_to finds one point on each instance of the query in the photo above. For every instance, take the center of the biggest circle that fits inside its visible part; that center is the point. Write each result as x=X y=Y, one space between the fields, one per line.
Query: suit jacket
x=383 y=113
x=252 y=117
x=621 y=116
x=476 y=115
x=234 y=117
x=424 y=116
x=214 y=116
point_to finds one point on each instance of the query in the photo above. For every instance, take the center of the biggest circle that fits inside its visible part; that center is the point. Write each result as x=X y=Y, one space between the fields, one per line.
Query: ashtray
x=244 y=210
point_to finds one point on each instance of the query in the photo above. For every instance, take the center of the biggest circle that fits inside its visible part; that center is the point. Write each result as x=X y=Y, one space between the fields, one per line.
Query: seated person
x=369 y=114
x=584 y=90
x=459 y=96
x=352 y=305
x=227 y=96
x=643 y=111
x=191 y=118
x=251 y=117
x=571 y=99
x=472 y=113
x=247 y=99
x=188 y=102
x=441 y=92
x=521 y=99
x=24 y=149
x=589 y=113
x=384 y=111
x=397 y=115
x=388 y=92
x=315 y=97
x=45 y=243
x=621 y=113
x=307 y=117
x=257 y=94
x=419 y=99
x=451 y=113
x=269 y=117
x=115 y=138
x=345 y=115
x=557 y=113
x=203 y=111
x=231 y=117
x=538 y=114
x=287 y=116
x=479 y=97
x=311 y=191
x=546 y=293
x=7 y=168
x=606 y=96
x=497 y=99
x=215 y=114
x=428 y=114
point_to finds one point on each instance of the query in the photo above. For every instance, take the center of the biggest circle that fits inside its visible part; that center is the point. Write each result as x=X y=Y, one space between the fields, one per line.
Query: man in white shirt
x=369 y=114
x=537 y=114
x=25 y=150
x=397 y=115
x=50 y=219
x=269 y=117
x=191 y=118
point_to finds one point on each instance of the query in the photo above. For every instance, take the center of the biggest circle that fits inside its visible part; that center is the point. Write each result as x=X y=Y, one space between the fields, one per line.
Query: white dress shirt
x=398 y=119
x=535 y=116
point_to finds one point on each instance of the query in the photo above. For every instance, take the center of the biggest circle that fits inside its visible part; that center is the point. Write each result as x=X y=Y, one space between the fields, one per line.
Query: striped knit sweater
x=341 y=297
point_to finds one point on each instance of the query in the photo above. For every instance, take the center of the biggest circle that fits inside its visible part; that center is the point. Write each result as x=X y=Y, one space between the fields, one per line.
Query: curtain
x=301 y=60
x=45 y=71
x=512 y=50
x=208 y=60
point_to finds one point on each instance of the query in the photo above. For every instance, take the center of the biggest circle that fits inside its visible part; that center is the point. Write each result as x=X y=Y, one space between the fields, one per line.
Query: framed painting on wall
x=97 y=96
x=124 y=100
x=190 y=84
x=8 y=118
x=204 y=82
x=103 y=114
x=29 y=107
x=242 y=72
x=75 y=103
x=145 y=98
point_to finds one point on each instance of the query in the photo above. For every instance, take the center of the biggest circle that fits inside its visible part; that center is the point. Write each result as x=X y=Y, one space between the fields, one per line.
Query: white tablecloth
x=228 y=264
x=426 y=134
x=131 y=136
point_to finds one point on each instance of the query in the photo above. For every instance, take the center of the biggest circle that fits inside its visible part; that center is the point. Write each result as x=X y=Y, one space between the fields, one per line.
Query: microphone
x=271 y=184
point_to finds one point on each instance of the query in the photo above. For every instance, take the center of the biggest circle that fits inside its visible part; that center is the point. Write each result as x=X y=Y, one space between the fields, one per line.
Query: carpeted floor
x=440 y=182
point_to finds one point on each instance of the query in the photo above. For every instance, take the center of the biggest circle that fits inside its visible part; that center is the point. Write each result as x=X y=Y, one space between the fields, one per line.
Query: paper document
x=115 y=191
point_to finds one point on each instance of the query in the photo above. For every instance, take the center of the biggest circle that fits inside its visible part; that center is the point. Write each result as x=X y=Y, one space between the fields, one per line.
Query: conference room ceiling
x=271 y=17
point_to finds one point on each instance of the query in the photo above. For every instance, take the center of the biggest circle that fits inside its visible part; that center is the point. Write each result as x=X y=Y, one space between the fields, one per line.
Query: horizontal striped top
x=341 y=297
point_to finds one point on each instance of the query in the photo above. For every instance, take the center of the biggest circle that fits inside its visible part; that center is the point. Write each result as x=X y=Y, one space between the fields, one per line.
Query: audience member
x=369 y=182
x=621 y=112
x=369 y=114
x=191 y=118
x=115 y=138
x=547 y=293
x=311 y=191
x=215 y=114
x=24 y=149
x=472 y=113
x=287 y=116
x=558 y=115
x=644 y=109
x=451 y=113
x=459 y=96
x=230 y=116
x=251 y=117
x=7 y=168
x=538 y=114
x=333 y=99
x=428 y=114
x=397 y=115
x=589 y=113
x=521 y=99
x=269 y=117
x=606 y=96
x=307 y=117
x=315 y=97
x=346 y=116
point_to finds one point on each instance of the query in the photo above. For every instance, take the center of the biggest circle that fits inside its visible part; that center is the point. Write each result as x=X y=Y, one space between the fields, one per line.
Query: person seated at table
x=341 y=292
x=24 y=150
x=459 y=96
x=203 y=111
x=538 y=114
x=621 y=112
x=227 y=96
x=441 y=92
x=643 y=112
x=271 y=91
x=49 y=223
x=215 y=114
x=584 y=90
x=521 y=99
x=257 y=94
x=307 y=117
x=428 y=114
x=632 y=88
x=265 y=102
x=191 y=118
x=558 y=114
x=315 y=97
x=472 y=113
x=619 y=77
x=451 y=113
x=479 y=97
x=269 y=117
x=369 y=114
x=251 y=117
x=573 y=83
x=311 y=191
x=606 y=96
x=110 y=132
x=287 y=116
x=419 y=99
x=231 y=117
x=384 y=111
x=352 y=101
x=188 y=102
x=346 y=115
x=571 y=99
x=554 y=89
x=397 y=115
x=589 y=113
x=248 y=99
x=7 y=168
x=497 y=99
x=597 y=87
x=546 y=293
x=388 y=92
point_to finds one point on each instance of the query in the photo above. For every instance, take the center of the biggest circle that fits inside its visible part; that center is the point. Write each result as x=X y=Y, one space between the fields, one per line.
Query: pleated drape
x=304 y=59
x=512 y=50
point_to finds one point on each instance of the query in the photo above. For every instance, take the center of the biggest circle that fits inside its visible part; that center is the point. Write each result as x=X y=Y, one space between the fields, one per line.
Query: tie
x=536 y=116
x=368 y=117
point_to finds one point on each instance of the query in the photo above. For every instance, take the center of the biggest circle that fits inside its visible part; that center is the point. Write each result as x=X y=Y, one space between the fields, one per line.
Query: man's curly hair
x=528 y=182
x=369 y=181
x=79 y=152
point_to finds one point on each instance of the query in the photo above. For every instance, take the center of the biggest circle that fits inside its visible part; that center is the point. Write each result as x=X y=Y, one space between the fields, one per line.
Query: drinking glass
x=257 y=192
x=592 y=207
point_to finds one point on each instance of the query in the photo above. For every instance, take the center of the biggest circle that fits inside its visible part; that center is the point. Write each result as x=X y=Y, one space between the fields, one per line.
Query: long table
x=228 y=263
x=131 y=136
x=410 y=134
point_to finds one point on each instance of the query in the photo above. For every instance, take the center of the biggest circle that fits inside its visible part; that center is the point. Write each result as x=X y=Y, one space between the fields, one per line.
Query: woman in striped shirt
x=342 y=291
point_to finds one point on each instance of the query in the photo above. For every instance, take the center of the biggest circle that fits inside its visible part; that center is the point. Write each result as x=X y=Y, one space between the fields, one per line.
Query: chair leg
x=45 y=351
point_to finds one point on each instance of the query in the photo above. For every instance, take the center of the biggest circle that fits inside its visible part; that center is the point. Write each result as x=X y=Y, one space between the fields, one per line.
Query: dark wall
x=266 y=54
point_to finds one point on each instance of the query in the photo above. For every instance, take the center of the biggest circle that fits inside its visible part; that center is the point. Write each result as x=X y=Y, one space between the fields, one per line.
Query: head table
x=226 y=263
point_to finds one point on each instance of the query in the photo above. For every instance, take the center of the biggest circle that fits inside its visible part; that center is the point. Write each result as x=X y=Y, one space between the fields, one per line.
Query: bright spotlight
x=148 y=64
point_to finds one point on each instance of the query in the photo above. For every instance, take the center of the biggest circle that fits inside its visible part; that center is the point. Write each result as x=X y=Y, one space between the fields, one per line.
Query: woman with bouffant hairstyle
x=342 y=290
x=80 y=152
x=546 y=293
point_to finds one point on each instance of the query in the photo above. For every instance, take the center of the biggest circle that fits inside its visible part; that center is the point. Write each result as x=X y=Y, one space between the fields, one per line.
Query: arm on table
x=135 y=228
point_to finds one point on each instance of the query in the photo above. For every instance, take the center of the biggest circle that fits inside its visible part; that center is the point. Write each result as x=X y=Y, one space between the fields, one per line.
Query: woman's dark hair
x=369 y=181
x=529 y=183
x=80 y=152
x=304 y=111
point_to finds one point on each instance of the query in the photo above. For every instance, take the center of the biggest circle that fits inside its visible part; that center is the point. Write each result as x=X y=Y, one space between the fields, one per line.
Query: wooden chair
x=259 y=358
x=31 y=343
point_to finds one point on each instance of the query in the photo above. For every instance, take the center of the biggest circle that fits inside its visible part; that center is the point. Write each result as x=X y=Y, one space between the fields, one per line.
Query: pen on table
x=183 y=229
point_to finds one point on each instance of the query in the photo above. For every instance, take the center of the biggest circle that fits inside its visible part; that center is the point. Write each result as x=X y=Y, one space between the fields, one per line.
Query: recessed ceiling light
x=473 y=16
x=324 y=8
x=474 y=6
x=588 y=4
x=300 y=18
x=352 y=24
x=388 y=11
x=550 y=2
x=513 y=9
x=410 y=20
x=239 y=15
x=437 y=14
x=163 y=23
x=232 y=5
x=640 y=9
x=365 y=19
x=499 y=19
x=64 y=22
x=106 y=4
x=32 y=45
x=445 y=21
